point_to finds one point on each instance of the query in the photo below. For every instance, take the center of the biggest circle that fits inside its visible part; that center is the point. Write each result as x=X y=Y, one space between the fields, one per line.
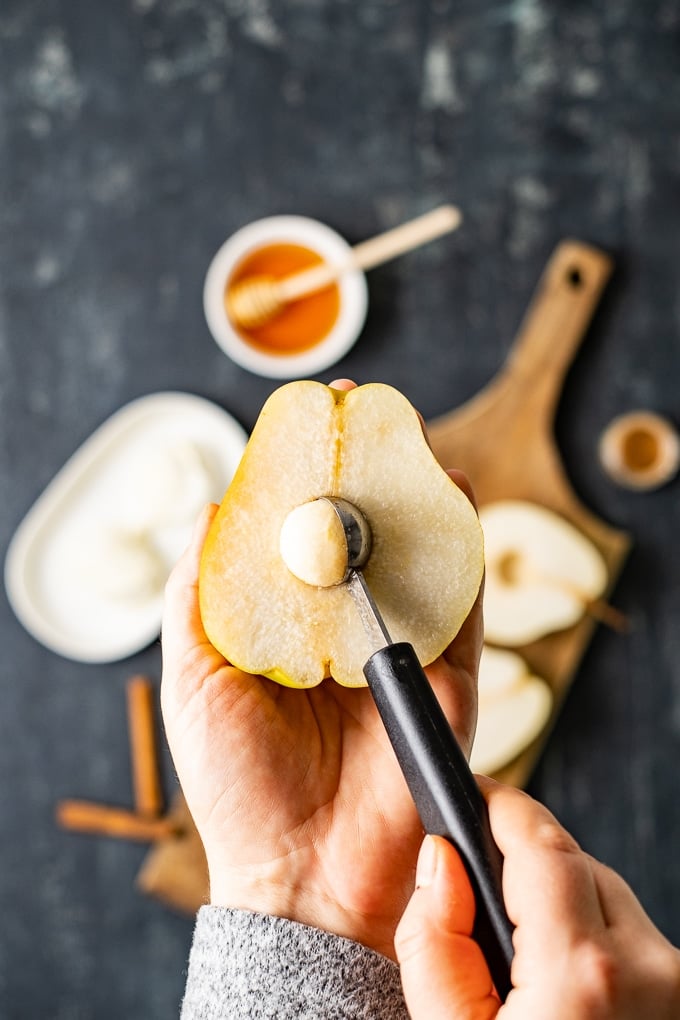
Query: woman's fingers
x=454 y=681
x=545 y=875
x=462 y=655
x=464 y=651
x=443 y=971
x=182 y=628
x=463 y=483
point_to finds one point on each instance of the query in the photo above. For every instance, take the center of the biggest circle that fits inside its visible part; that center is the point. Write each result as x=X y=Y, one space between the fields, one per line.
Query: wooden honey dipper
x=256 y=299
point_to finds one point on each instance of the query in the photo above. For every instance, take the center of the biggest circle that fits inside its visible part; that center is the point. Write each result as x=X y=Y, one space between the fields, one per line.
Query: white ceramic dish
x=50 y=573
x=286 y=230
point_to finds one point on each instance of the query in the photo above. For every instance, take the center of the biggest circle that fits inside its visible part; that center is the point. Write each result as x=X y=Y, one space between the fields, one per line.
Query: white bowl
x=286 y=230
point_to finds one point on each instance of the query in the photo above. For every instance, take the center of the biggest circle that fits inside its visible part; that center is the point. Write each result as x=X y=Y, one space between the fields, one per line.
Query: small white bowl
x=286 y=230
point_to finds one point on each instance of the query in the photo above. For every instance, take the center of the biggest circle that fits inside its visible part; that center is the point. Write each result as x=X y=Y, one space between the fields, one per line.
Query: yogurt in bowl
x=306 y=336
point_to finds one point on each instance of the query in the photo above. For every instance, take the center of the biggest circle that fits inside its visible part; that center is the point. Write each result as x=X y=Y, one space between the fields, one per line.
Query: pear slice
x=426 y=563
x=501 y=672
x=514 y=708
x=542 y=573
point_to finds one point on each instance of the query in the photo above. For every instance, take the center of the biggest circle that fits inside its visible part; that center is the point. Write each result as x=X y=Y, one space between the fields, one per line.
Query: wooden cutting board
x=175 y=870
x=503 y=440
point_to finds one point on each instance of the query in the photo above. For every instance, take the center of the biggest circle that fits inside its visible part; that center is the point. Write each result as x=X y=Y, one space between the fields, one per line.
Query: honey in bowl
x=299 y=325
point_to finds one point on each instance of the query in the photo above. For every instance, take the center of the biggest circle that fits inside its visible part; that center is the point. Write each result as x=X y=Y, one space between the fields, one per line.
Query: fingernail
x=427 y=863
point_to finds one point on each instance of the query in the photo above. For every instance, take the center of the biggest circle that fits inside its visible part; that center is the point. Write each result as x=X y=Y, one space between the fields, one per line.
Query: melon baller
x=438 y=776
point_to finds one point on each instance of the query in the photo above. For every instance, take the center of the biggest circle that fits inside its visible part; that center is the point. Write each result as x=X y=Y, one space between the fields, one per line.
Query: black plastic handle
x=446 y=795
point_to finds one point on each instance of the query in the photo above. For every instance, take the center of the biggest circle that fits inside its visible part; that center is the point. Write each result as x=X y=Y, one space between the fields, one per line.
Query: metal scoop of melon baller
x=437 y=773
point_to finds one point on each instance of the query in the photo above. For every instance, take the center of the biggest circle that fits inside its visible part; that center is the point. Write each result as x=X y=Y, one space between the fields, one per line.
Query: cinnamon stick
x=146 y=780
x=102 y=820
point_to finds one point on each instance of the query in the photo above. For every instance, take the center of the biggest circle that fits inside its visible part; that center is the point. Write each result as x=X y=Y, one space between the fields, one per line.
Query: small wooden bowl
x=640 y=450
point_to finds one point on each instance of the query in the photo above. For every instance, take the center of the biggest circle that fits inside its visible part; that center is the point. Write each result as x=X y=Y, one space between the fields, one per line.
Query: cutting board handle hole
x=575 y=277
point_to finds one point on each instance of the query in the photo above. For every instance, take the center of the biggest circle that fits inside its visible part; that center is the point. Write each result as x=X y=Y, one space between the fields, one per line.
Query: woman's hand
x=297 y=795
x=584 y=947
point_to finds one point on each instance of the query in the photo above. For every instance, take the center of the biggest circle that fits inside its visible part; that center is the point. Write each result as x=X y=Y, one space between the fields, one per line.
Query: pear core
x=313 y=544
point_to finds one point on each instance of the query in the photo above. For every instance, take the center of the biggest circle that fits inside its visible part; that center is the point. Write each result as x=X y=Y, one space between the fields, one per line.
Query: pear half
x=426 y=563
x=541 y=572
x=514 y=708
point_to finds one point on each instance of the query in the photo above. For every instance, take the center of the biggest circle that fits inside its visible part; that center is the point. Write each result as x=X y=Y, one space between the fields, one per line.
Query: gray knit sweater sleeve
x=246 y=966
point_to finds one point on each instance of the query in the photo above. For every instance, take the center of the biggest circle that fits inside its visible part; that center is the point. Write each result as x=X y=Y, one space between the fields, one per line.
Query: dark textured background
x=135 y=136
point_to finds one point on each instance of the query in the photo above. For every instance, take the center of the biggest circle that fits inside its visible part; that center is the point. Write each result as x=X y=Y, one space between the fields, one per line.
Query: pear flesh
x=541 y=572
x=313 y=544
x=426 y=564
x=514 y=708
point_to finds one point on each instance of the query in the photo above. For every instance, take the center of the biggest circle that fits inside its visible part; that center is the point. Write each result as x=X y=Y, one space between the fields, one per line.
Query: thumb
x=443 y=971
